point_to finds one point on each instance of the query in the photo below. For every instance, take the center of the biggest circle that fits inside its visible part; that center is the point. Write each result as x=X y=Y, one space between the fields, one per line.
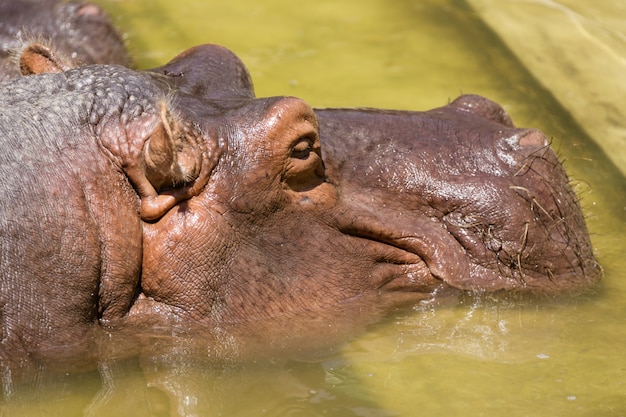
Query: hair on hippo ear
x=38 y=58
x=168 y=158
x=172 y=161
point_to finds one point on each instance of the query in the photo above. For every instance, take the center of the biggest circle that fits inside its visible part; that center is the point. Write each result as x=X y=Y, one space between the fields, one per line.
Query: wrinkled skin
x=188 y=204
x=484 y=205
x=67 y=33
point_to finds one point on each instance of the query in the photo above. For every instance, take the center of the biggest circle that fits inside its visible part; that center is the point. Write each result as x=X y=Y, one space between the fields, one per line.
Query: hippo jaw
x=434 y=258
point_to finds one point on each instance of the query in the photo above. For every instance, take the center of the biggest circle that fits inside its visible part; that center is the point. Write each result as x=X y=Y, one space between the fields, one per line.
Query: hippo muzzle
x=485 y=205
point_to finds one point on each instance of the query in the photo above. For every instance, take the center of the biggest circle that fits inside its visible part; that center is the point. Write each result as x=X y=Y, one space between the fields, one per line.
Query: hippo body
x=70 y=230
x=70 y=33
x=175 y=199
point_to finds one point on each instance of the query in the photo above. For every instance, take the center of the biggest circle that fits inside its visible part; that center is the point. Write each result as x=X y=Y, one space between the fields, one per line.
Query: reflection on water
x=441 y=357
x=480 y=356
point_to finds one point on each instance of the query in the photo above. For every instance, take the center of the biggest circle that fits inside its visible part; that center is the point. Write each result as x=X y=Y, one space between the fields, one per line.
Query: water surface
x=482 y=357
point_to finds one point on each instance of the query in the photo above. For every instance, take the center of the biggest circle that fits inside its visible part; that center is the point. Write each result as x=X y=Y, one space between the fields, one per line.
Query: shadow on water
x=480 y=356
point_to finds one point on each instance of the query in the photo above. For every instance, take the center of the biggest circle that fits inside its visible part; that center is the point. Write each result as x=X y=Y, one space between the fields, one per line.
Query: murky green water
x=480 y=358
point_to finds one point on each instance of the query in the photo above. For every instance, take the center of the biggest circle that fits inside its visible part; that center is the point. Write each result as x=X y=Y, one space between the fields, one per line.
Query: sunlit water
x=482 y=357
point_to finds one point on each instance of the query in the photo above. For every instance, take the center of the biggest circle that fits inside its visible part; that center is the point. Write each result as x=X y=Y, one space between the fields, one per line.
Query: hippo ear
x=172 y=164
x=209 y=71
x=37 y=58
x=160 y=157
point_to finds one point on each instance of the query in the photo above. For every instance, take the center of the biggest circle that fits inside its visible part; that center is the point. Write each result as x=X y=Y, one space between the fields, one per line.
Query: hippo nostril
x=534 y=138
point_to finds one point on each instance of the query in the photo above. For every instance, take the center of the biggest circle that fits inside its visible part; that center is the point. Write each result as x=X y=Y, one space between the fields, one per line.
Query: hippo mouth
x=416 y=253
x=420 y=259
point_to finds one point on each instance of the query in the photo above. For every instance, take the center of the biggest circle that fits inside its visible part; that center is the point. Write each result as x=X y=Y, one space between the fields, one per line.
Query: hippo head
x=309 y=209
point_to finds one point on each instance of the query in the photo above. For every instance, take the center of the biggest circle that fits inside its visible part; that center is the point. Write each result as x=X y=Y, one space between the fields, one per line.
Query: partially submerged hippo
x=174 y=198
x=72 y=33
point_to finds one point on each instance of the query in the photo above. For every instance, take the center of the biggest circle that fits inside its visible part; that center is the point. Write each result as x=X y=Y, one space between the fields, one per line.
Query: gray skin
x=71 y=33
x=174 y=200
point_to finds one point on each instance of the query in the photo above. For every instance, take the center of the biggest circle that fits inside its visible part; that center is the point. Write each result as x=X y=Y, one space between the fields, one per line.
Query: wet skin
x=188 y=204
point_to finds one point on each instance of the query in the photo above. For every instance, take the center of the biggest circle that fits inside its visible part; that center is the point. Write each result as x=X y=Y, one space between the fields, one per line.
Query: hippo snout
x=486 y=206
x=521 y=228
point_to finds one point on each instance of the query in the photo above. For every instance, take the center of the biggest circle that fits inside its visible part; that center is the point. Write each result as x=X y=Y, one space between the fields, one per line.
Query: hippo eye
x=304 y=168
x=302 y=147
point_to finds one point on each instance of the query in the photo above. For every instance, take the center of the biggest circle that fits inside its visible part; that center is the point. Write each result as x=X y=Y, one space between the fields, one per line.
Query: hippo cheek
x=186 y=254
x=247 y=246
x=211 y=265
x=410 y=253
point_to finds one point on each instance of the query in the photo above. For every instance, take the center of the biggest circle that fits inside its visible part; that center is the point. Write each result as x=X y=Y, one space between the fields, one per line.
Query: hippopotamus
x=174 y=198
x=66 y=33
